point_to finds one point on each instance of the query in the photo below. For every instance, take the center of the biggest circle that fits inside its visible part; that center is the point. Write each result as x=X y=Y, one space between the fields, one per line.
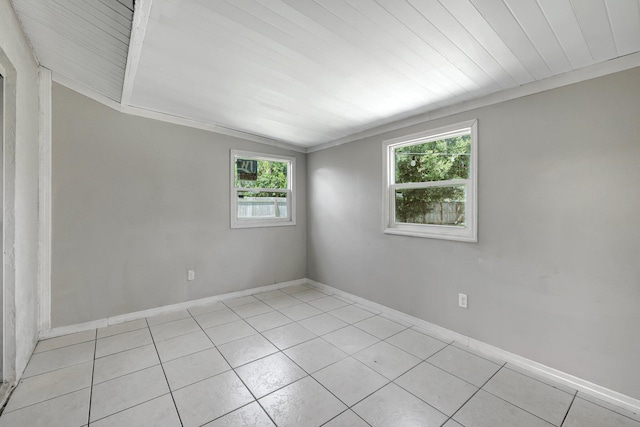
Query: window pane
x=439 y=160
x=262 y=205
x=433 y=205
x=270 y=174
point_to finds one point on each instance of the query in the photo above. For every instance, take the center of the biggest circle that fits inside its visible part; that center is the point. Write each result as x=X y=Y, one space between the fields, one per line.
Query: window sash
x=464 y=183
x=288 y=194
x=426 y=184
x=262 y=190
x=463 y=130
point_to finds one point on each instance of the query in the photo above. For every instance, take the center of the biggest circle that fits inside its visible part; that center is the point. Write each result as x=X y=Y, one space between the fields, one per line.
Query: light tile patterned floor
x=290 y=357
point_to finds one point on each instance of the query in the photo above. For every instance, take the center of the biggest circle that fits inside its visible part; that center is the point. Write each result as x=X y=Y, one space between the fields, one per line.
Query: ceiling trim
x=589 y=72
x=168 y=118
x=142 y=9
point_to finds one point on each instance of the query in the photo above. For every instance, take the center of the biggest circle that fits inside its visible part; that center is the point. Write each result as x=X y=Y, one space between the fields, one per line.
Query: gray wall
x=555 y=275
x=137 y=202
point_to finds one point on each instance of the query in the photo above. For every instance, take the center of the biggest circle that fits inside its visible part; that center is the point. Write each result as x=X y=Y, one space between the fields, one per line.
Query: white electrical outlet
x=462 y=300
x=191 y=275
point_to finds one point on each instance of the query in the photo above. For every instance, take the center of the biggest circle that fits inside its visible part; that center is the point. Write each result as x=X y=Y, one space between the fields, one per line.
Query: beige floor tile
x=207 y=400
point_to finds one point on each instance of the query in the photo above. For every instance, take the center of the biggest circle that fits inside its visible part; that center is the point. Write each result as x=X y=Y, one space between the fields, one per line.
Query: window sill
x=261 y=223
x=432 y=233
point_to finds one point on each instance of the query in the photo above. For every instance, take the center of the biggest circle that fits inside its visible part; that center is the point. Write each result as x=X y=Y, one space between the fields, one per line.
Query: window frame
x=290 y=219
x=469 y=233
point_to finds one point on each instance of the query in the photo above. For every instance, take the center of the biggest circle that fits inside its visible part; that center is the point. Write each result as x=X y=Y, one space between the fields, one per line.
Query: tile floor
x=290 y=357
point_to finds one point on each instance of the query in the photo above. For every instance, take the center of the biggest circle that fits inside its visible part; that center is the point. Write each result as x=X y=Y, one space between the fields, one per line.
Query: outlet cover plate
x=462 y=300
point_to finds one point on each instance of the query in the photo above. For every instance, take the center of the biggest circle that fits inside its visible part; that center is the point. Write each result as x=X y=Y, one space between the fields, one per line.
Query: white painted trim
x=586 y=387
x=142 y=10
x=168 y=118
x=9 y=345
x=8 y=358
x=586 y=73
x=101 y=323
x=44 y=205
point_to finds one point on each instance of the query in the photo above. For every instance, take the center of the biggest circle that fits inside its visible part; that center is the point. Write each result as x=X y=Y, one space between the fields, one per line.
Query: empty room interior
x=320 y=212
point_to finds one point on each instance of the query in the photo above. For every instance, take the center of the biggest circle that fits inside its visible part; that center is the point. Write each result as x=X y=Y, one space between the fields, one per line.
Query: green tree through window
x=271 y=174
x=439 y=160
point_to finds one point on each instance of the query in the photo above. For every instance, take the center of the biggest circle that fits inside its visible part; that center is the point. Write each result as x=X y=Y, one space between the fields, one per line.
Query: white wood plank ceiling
x=313 y=71
x=84 y=40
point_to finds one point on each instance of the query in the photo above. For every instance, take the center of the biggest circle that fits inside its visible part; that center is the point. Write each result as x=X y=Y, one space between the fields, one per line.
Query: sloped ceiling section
x=310 y=72
x=84 y=40
x=313 y=71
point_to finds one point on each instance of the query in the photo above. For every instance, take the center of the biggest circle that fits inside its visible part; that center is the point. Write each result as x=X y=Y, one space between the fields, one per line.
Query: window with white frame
x=261 y=190
x=430 y=183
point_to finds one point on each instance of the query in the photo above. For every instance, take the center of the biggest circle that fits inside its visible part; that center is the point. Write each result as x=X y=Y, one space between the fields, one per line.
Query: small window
x=261 y=190
x=430 y=183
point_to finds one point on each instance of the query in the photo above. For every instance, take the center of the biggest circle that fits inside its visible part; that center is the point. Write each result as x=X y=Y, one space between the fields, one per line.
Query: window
x=261 y=190
x=430 y=183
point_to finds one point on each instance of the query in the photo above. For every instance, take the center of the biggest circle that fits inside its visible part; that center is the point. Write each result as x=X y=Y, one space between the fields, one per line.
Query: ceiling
x=308 y=72
x=86 y=41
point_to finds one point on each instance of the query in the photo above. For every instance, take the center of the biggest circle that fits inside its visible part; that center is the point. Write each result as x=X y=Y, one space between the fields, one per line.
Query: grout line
x=383 y=339
x=121 y=333
x=281 y=308
x=616 y=410
x=39 y=402
x=203 y=379
x=237 y=376
x=196 y=352
x=126 y=409
x=511 y=403
x=60 y=348
x=454 y=375
x=93 y=370
x=164 y=373
x=346 y=410
x=309 y=374
x=260 y=404
x=320 y=369
x=146 y=319
x=425 y=360
x=128 y=349
x=287 y=385
x=118 y=324
x=128 y=373
x=538 y=379
x=285 y=355
x=568 y=409
x=476 y=392
x=56 y=369
x=388 y=381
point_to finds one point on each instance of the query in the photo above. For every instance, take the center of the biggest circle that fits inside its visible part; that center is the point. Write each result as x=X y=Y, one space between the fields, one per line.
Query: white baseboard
x=101 y=323
x=613 y=397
